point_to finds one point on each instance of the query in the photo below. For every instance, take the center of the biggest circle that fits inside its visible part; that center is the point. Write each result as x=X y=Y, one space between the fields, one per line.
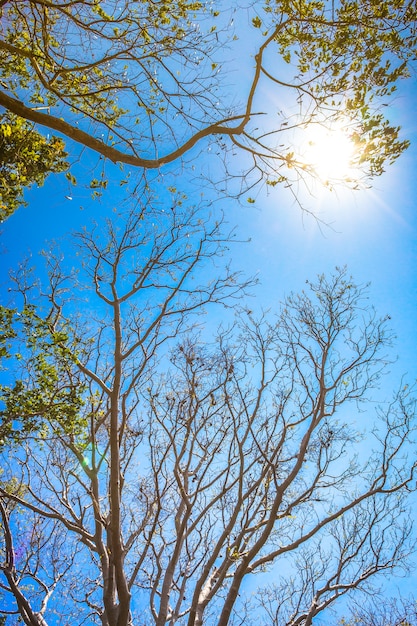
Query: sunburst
x=329 y=153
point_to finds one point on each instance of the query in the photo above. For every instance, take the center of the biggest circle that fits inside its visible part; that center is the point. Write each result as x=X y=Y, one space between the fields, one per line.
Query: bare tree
x=383 y=612
x=194 y=464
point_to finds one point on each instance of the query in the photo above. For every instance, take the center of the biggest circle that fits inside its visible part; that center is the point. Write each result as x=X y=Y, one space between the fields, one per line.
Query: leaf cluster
x=49 y=396
x=26 y=159
x=347 y=62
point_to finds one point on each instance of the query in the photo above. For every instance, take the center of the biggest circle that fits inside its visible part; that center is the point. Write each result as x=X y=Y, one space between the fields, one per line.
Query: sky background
x=372 y=231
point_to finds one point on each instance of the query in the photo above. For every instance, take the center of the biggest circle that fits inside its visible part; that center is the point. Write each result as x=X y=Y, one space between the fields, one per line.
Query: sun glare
x=329 y=153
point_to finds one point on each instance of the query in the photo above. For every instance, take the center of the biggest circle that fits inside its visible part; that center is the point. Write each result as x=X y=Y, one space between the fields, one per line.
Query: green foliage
x=50 y=395
x=349 y=64
x=7 y=331
x=26 y=158
x=142 y=82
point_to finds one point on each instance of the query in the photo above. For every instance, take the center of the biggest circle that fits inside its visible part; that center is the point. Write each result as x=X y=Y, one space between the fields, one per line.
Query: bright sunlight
x=329 y=152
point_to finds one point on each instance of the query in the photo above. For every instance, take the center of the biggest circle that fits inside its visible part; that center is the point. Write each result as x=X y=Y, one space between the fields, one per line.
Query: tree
x=26 y=158
x=48 y=398
x=146 y=84
x=196 y=464
x=383 y=612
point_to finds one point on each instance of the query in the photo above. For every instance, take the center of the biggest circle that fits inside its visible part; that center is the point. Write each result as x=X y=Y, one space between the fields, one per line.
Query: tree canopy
x=158 y=472
x=149 y=83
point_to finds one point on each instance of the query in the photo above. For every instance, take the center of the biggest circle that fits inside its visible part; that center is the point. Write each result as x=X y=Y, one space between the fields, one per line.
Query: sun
x=328 y=153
